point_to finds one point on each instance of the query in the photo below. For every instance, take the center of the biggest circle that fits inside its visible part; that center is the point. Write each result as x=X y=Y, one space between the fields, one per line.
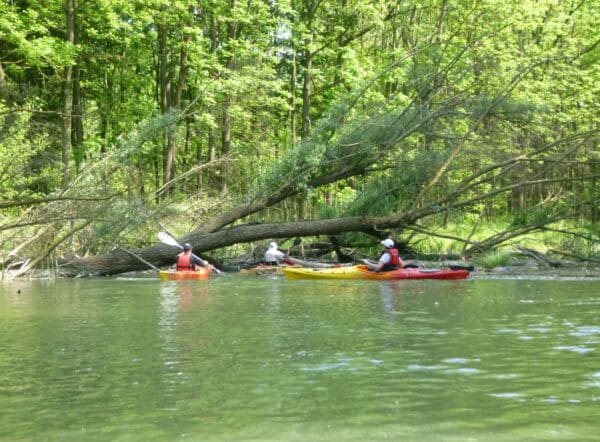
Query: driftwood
x=543 y=259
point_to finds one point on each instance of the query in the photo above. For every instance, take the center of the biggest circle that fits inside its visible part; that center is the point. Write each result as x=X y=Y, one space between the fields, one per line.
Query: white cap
x=387 y=243
x=273 y=245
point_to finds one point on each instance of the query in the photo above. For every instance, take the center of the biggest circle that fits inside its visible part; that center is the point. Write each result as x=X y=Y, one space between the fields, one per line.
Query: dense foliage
x=117 y=114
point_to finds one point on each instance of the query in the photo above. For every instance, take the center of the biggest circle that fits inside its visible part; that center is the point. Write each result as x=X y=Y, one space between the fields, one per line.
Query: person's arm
x=401 y=262
x=197 y=260
x=377 y=267
x=374 y=266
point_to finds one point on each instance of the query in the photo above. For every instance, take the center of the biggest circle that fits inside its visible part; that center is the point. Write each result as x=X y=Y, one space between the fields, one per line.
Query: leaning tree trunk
x=121 y=261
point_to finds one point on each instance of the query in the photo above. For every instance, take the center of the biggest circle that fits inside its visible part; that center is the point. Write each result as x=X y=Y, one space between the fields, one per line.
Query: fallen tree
x=120 y=261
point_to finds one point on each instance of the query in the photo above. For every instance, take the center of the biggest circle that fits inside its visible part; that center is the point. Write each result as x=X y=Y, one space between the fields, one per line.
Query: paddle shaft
x=167 y=238
x=139 y=258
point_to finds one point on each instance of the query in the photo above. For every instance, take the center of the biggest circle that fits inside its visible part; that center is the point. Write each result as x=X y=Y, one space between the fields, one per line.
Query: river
x=244 y=358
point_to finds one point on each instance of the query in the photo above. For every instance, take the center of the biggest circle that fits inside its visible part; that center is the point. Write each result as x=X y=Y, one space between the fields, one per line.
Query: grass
x=497 y=258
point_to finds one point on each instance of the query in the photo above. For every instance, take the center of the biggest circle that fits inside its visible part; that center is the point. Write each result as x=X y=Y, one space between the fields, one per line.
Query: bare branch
x=38 y=201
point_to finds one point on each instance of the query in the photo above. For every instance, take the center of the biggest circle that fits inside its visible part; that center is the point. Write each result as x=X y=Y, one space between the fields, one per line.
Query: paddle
x=287 y=260
x=165 y=238
x=139 y=258
x=296 y=242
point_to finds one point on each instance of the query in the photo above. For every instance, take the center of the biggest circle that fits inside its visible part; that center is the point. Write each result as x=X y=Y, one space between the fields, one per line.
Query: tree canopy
x=237 y=122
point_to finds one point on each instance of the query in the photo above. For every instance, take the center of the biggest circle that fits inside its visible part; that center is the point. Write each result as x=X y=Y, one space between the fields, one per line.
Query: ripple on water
x=585 y=331
x=595 y=382
x=456 y=360
x=574 y=348
x=464 y=370
x=462 y=361
x=539 y=329
x=419 y=367
x=509 y=330
x=326 y=367
x=508 y=395
x=506 y=376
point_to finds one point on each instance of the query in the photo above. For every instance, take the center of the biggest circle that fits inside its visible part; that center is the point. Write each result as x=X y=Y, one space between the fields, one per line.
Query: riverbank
x=592 y=272
x=522 y=269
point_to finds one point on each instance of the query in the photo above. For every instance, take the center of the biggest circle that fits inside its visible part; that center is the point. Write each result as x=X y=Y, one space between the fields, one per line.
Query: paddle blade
x=165 y=238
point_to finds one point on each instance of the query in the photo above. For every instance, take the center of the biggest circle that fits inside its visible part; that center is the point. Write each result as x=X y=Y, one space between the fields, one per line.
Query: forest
x=460 y=127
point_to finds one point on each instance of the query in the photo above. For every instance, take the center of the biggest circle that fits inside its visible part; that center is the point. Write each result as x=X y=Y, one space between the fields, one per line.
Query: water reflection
x=180 y=296
x=392 y=296
x=179 y=303
x=271 y=359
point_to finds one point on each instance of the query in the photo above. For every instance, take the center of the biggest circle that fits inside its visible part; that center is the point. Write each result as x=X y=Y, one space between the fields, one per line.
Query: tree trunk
x=164 y=90
x=226 y=118
x=77 y=129
x=307 y=59
x=225 y=143
x=306 y=95
x=594 y=192
x=293 y=79
x=3 y=84
x=170 y=154
x=162 y=255
x=70 y=6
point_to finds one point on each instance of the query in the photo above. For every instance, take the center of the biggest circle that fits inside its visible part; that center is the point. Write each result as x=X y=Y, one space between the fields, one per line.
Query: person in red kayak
x=388 y=260
x=187 y=261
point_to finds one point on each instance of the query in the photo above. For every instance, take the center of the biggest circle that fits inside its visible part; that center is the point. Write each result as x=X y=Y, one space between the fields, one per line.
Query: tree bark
x=161 y=255
x=77 y=121
x=3 y=84
x=165 y=101
x=70 y=6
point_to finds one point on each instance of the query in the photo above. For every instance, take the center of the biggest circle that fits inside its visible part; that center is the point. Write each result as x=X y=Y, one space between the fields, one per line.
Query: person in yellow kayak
x=187 y=261
x=274 y=256
x=388 y=260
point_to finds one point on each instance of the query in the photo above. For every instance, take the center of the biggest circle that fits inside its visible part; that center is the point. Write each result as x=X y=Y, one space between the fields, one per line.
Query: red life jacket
x=394 y=261
x=184 y=262
x=394 y=257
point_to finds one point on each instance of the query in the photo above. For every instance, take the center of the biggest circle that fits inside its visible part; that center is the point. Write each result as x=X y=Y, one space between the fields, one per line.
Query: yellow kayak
x=362 y=272
x=170 y=275
x=265 y=269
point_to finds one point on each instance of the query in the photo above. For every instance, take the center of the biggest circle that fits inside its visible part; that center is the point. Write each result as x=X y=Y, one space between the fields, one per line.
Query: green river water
x=244 y=358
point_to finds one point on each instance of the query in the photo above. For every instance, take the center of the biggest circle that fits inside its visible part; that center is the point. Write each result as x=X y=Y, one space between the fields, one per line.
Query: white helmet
x=388 y=243
x=272 y=245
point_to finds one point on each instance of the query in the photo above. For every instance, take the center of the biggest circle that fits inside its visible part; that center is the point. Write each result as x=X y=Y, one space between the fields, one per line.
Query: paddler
x=187 y=261
x=388 y=260
x=274 y=256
